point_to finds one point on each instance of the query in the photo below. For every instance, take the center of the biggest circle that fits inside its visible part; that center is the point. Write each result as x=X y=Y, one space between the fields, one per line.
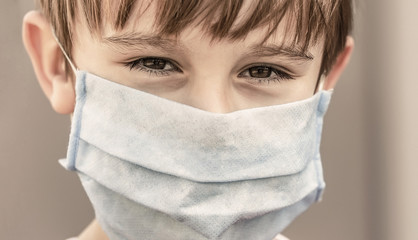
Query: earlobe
x=48 y=62
x=340 y=64
x=62 y=98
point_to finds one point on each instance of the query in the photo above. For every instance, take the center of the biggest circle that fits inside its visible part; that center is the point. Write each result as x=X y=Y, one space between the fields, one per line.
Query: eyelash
x=280 y=75
x=138 y=64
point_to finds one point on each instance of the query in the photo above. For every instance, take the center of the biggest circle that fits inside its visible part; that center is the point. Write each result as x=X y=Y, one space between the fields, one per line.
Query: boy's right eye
x=153 y=65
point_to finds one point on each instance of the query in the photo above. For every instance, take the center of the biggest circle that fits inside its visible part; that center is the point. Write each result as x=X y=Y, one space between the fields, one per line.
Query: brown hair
x=308 y=20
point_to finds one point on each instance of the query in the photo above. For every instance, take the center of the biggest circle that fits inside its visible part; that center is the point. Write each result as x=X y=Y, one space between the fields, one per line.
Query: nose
x=212 y=94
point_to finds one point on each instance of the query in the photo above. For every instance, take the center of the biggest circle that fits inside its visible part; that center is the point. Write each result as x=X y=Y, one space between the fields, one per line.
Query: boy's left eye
x=154 y=63
x=264 y=74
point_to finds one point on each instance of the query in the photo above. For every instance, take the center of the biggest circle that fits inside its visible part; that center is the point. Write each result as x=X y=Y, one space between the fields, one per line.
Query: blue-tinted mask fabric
x=157 y=169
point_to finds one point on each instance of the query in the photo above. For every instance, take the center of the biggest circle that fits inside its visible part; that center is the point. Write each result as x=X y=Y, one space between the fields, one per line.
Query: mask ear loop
x=321 y=83
x=63 y=52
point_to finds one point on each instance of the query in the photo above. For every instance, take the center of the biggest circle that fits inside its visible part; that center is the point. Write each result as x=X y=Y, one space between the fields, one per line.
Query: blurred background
x=369 y=149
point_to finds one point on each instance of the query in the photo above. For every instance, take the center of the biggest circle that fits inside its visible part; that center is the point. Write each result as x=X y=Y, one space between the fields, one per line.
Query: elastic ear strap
x=63 y=52
x=321 y=83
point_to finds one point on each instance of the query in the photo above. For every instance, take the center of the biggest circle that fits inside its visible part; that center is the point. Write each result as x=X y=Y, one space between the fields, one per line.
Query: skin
x=212 y=76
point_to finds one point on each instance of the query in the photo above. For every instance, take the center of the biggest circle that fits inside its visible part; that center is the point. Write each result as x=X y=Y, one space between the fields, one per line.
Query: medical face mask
x=157 y=169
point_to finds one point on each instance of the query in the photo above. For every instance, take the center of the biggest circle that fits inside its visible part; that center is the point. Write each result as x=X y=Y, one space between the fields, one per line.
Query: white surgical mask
x=158 y=169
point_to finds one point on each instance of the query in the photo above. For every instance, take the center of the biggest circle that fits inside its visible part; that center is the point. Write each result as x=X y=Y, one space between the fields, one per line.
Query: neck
x=93 y=232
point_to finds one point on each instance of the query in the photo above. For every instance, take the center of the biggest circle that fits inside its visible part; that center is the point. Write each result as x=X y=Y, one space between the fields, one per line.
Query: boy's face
x=217 y=76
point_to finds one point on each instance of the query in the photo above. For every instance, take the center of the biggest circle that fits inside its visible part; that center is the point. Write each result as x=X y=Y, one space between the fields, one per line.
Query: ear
x=48 y=62
x=337 y=69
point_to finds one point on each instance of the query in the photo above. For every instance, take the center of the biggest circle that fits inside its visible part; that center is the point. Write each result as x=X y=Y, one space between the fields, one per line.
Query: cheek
x=297 y=89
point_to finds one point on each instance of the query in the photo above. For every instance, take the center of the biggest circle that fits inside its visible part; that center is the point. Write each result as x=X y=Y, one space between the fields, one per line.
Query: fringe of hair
x=308 y=20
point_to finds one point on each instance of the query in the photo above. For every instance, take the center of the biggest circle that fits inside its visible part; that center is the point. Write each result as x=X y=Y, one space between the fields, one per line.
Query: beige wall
x=370 y=140
x=393 y=36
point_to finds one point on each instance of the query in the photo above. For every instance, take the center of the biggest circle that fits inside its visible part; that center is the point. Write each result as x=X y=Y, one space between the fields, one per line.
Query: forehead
x=217 y=19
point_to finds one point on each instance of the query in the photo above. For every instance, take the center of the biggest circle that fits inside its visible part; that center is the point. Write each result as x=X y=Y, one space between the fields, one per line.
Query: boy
x=192 y=119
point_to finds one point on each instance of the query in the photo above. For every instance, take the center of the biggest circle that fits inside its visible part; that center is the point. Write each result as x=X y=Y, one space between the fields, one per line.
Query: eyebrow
x=282 y=50
x=138 y=40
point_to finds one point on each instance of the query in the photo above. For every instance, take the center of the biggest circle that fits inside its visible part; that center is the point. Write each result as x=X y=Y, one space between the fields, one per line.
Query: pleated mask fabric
x=157 y=169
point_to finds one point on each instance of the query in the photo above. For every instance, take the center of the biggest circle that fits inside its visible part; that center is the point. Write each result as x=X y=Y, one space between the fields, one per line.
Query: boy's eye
x=264 y=74
x=153 y=65
x=260 y=72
